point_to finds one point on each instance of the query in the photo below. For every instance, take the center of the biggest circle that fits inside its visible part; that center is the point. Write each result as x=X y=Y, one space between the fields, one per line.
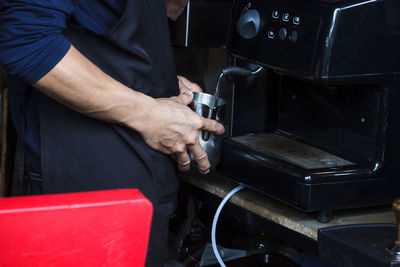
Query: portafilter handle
x=396 y=209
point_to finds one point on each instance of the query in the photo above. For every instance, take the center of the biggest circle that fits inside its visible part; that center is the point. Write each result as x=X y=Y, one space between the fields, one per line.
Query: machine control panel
x=285 y=24
x=251 y=21
x=274 y=35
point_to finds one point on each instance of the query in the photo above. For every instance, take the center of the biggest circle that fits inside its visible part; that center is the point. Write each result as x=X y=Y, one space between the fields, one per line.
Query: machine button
x=275 y=14
x=296 y=20
x=271 y=34
x=282 y=33
x=249 y=24
x=293 y=36
x=286 y=17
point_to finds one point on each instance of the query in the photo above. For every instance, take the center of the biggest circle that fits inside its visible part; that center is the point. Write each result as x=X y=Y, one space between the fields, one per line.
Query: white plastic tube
x=214 y=224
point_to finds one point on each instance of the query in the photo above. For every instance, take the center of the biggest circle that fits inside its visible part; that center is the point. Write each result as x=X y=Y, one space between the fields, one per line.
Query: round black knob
x=249 y=24
x=282 y=33
x=293 y=37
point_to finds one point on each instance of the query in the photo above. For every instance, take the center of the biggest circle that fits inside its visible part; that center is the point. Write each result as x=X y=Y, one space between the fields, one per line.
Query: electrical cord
x=214 y=224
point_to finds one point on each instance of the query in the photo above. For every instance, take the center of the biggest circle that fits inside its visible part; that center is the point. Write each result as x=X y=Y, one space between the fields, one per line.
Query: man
x=95 y=98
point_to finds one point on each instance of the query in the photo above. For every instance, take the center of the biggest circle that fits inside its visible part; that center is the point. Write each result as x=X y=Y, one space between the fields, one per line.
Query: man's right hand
x=166 y=124
x=173 y=128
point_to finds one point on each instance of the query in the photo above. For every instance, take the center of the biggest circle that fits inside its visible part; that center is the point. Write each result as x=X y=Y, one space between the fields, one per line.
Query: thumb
x=185 y=97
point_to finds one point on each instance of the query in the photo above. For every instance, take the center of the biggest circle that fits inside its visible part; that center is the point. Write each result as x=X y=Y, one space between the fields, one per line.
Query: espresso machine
x=319 y=128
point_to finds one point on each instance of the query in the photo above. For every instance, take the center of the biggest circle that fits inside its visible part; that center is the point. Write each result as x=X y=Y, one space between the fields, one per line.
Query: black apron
x=79 y=153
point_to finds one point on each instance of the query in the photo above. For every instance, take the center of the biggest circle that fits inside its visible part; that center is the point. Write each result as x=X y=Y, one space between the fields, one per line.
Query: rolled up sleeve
x=31 y=39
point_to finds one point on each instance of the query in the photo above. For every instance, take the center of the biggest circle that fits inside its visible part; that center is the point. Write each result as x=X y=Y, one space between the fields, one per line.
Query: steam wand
x=227 y=71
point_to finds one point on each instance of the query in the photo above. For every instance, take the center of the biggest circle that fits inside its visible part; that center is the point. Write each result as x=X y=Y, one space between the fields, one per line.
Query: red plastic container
x=100 y=228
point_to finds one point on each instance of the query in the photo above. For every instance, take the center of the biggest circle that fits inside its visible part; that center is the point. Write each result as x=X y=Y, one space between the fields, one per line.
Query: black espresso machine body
x=319 y=127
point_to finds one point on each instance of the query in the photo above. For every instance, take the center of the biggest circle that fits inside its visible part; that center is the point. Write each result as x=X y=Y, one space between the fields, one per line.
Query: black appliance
x=203 y=23
x=366 y=245
x=320 y=128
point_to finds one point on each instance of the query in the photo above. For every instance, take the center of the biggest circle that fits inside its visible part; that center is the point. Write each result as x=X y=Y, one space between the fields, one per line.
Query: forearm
x=80 y=85
x=166 y=124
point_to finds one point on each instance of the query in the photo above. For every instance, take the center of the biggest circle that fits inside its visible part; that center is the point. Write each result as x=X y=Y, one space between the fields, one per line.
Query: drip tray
x=292 y=151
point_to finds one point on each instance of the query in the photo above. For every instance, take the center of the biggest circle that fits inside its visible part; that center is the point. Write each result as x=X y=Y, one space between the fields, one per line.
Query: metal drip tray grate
x=292 y=151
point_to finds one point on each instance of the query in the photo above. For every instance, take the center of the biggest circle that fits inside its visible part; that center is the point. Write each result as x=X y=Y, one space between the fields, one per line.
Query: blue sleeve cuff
x=31 y=36
x=53 y=54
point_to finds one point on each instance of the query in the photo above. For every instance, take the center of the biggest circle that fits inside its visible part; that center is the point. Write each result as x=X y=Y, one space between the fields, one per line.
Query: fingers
x=200 y=156
x=212 y=126
x=184 y=98
x=185 y=84
x=183 y=161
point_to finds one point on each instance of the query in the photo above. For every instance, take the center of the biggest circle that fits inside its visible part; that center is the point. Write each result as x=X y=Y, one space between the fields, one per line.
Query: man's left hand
x=186 y=85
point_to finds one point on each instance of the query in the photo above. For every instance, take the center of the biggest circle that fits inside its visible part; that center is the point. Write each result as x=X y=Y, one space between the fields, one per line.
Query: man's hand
x=175 y=8
x=186 y=85
x=173 y=128
x=166 y=124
